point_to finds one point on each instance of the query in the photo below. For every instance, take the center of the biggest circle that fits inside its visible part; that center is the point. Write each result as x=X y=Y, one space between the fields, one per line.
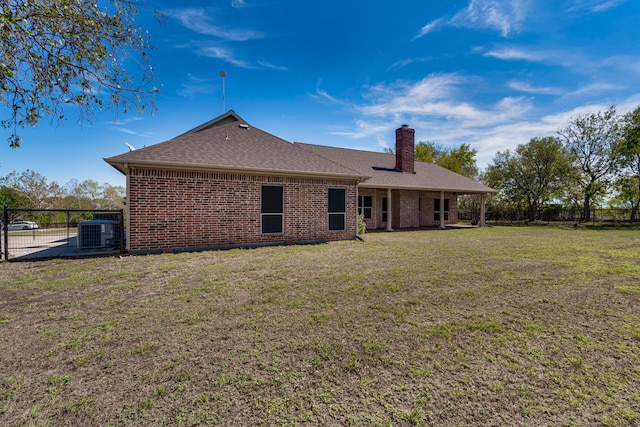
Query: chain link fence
x=554 y=214
x=54 y=233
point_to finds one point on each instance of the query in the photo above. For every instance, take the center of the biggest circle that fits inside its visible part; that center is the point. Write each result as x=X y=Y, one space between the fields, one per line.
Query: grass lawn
x=496 y=326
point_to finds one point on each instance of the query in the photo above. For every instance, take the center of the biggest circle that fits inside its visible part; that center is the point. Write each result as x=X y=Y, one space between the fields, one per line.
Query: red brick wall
x=405 y=205
x=174 y=209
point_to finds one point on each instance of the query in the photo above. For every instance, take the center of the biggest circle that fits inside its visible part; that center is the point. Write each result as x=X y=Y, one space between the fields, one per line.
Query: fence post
x=66 y=215
x=122 y=244
x=6 y=234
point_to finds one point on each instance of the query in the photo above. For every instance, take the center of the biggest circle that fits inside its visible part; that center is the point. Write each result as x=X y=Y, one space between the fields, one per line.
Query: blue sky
x=490 y=73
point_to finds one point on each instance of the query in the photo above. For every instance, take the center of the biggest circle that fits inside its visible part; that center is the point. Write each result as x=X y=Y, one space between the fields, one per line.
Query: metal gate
x=55 y=233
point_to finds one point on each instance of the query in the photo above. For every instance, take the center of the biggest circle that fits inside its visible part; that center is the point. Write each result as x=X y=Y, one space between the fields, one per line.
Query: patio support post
x=482 y=211
x=357 y=209
x=442 y=210
x=389 y=210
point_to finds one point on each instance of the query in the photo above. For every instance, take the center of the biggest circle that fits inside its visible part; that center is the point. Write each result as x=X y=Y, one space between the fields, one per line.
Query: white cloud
x=238 y=4
x=625 y=63
x=129 y=131
x=126 y=121
x=597 y=87
x=408 y=61
x=577 y=61
x=573 y=60
x=522 y=86
x=125 y=130
x=272 y=66
x=225 y=54
x=594 y=5
x=431 y=26
x=364 y=129
x=438 y=96
x=321 y=93
x=228 y=55
x=513 y=54
x=200 y=21
x=504 y=16
x=440 y=110
x=195 y=86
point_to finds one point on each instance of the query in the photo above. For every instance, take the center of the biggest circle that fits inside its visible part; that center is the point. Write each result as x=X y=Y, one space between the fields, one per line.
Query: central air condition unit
x=116 y=219
x=96 y=233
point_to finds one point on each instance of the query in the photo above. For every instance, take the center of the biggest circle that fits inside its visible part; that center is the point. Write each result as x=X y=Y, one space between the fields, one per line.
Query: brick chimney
x=405 y=140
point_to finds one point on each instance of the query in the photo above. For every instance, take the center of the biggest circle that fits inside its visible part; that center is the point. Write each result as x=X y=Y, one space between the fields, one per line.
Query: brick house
x=227 y=184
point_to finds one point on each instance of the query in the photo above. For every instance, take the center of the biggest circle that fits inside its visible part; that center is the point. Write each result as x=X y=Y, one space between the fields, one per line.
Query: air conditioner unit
x=115 y=218
x=96 y=233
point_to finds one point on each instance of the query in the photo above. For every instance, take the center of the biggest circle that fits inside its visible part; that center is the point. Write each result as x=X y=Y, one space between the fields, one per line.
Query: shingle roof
x=228 y=143
x=381 y=168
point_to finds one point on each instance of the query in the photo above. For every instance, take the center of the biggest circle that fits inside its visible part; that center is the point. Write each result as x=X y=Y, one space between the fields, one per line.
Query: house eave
x=438 y=189
x=125 y=167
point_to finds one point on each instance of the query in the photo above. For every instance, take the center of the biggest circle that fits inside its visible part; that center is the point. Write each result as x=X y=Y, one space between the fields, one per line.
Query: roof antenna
x=222 y=75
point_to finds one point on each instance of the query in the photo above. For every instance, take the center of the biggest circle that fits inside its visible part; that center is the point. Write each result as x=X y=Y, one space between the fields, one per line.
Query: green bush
x=362 y=226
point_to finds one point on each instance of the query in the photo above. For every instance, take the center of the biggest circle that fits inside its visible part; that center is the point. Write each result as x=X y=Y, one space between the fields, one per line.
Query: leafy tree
x=82 y=195
x=32 y=189
x=113 y=197
x=8 y=197
x=628 y=194
x=534 y=174
x=427 y=151
x=59 y=53
x=594 y=142
x=89 y=194
x=628 y=184
x=460 y=160
x=29 y=189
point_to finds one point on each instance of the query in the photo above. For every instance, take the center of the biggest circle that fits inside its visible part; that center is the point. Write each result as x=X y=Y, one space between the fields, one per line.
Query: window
x=272 y=211
x=384 y=209
x=337 y=209
x=365 y=206
x=436 y=209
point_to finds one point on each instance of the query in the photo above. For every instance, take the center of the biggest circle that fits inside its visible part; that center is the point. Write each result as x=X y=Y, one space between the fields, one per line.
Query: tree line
x=31 y=190
x=595 y=159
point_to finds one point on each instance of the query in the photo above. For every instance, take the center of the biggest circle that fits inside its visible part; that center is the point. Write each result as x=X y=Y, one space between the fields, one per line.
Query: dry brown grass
x=497 y=326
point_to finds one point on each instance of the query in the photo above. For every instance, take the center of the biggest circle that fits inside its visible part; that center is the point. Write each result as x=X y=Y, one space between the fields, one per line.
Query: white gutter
x=127 y=206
